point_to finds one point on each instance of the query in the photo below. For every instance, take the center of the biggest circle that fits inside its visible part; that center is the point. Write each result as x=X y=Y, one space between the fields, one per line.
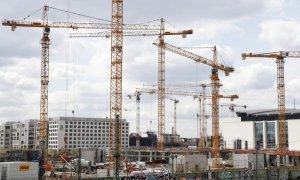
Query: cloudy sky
x=79 y=68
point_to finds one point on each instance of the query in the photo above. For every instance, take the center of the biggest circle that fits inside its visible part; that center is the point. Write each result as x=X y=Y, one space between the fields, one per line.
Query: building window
x=270 y=131
x=259 y=138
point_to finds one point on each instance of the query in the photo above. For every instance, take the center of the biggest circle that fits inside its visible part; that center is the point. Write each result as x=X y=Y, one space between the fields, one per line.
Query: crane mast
x=174 y=130
x=176 y=101
x=215 y=86
x=161 y=65
x=215 y=90
x=116 y=78
x=203 y=121
x=161 y=87
x=280 y=56
x=43 y=143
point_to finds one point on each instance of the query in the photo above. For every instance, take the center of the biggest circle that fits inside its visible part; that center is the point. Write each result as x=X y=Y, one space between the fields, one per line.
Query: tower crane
x=161 y=65
x=137 y=94
x=232 y=106
x=202 y=117
x=116 y=28
x=174 y=130
x=279 y=56
x=202 y=99
x=215 y=83
x=185 y=93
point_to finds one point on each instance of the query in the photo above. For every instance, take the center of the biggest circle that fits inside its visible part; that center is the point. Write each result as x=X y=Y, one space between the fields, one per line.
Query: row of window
x=92 y=123
x=83 y=134
x=53 y=126
x=88 y=127
x=82 y=146
x=53 y=122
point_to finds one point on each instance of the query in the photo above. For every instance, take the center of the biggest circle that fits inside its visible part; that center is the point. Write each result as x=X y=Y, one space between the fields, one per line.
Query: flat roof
x=267 y=114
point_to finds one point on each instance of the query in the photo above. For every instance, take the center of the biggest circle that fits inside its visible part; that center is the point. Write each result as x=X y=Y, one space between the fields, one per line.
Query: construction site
x=184 y=120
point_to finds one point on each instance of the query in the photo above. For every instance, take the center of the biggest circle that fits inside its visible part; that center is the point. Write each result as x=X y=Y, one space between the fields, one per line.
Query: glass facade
x=270 y=132
x=259 y=137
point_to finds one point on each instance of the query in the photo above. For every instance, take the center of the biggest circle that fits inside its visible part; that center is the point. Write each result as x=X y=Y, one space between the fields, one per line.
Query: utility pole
x=79 y=164
x=256 y=159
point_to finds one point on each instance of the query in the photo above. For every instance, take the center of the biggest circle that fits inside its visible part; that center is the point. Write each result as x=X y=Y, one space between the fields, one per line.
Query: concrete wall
x=247 y=161
x=184 y=163
x=96 y=155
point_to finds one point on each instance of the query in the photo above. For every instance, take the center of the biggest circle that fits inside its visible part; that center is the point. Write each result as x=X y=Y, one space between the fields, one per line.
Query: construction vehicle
x=282 y=134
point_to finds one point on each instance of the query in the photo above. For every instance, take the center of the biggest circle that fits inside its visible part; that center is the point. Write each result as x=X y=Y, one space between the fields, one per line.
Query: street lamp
x=172 y=158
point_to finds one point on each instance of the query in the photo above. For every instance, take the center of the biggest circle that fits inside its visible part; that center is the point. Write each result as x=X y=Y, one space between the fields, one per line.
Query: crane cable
x=32 y=13
x=67 y=62
x=78 y=14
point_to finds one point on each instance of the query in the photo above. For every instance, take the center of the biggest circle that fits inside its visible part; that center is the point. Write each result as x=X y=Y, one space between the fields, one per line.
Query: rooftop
x=267 y=114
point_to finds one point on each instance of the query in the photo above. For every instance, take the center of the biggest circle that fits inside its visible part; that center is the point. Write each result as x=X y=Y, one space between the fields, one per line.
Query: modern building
x=265 y=127
x=19 y=134
x=81 y=132
x=5 y=135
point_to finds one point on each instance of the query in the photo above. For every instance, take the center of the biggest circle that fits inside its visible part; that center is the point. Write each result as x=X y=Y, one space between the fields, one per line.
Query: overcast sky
x=79 y=68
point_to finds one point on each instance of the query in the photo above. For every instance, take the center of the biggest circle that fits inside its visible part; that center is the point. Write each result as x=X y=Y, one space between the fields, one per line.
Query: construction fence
x=270 y=173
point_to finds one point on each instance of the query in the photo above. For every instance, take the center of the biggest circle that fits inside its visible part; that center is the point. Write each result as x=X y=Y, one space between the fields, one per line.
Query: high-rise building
x=80 y=132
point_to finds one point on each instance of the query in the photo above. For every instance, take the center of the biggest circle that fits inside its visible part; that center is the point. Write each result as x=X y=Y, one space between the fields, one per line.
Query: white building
x=5 y=135
x=261 y=125
x=19 y=134
x=79 y=132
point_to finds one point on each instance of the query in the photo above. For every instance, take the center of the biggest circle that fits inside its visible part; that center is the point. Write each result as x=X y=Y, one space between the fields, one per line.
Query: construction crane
x=138 y=102
x=185 y=93
x=116 y=59
x=202 y=117
x=215 y=83
x=202 y=99
x=138 y=94
x=161 y=66
x=280 y=57
x=174 y=129
x=232 y=106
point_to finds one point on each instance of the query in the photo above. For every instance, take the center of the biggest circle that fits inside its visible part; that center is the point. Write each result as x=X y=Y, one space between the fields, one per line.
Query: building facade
x=19 y=134
x=79 y=132
x=5 y=135
x=265 y=127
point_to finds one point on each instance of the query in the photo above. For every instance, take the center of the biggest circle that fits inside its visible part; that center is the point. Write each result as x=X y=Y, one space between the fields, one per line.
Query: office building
x=81 y=132
x=19 y=134
x=265 y=127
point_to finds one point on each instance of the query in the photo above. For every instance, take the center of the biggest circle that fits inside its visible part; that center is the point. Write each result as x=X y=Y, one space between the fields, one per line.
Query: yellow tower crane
x=138 y=94
x=161 y=65
x=174 y=129
x=281 y=128
x=215 y=84
x=202 y=99
x=199 y=95
x=45 y=41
